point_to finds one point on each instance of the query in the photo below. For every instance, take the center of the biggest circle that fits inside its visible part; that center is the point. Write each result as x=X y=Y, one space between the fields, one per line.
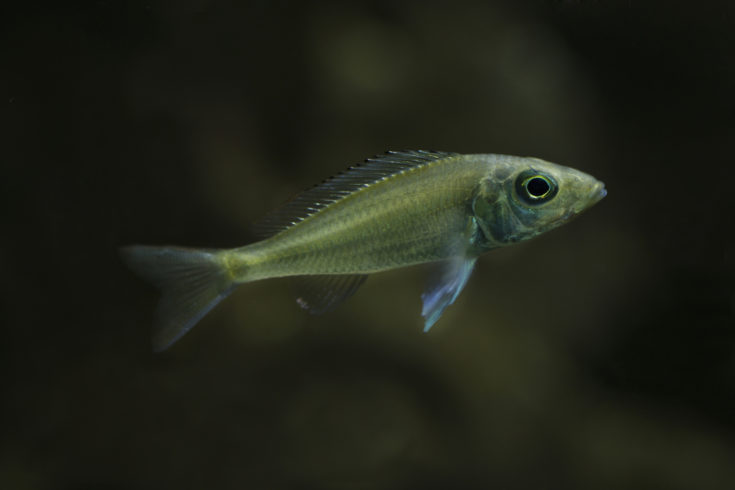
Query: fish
x=397 y=209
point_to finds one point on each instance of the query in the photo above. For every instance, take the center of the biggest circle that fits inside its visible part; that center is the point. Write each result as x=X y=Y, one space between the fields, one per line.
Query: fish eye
x=535 y=188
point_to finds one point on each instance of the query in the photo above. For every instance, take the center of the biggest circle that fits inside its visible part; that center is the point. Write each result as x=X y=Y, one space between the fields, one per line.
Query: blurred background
x=601 y=355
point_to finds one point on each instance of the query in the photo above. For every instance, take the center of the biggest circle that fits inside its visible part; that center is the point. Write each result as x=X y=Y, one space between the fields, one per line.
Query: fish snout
x=593 y=196
x=598 y=192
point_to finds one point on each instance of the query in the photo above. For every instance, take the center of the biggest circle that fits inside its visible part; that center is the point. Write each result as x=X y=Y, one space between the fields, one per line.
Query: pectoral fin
x=445 y=288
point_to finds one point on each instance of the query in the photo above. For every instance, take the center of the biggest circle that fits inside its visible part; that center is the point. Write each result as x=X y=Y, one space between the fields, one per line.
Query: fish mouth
x=598 y=193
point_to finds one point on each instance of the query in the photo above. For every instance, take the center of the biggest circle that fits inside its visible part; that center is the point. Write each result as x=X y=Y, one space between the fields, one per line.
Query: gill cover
x=492 y=215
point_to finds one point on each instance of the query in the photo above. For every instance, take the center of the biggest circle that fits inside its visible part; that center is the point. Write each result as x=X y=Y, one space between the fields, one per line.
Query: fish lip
x=598 y=193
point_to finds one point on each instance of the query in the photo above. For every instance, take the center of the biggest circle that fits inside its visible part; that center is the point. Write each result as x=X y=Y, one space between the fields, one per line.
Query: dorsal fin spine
x=353 y=180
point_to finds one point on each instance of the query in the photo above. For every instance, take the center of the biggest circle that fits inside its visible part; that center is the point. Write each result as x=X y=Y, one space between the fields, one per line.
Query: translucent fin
x=320 y=294
x=191 y=281
x=331 y=190
x=445 y=288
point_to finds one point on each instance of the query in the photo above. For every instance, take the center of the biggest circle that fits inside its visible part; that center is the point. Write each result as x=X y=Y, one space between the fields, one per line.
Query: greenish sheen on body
x=395 y=210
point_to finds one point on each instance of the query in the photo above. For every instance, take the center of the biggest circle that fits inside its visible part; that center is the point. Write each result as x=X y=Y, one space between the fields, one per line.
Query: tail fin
x=191 y=281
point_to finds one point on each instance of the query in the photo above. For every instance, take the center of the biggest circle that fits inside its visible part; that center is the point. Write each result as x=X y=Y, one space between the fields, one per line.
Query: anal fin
x=322 y=293
x=445 y=288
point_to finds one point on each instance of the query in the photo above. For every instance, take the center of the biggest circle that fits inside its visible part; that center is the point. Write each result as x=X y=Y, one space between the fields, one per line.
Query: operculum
x=495 y=220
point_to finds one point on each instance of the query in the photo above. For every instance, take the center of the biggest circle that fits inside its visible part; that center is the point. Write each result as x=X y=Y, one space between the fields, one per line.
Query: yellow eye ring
x=535 y=188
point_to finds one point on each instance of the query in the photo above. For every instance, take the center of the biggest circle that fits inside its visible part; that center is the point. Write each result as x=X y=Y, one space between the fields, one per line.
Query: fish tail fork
x=191 y=282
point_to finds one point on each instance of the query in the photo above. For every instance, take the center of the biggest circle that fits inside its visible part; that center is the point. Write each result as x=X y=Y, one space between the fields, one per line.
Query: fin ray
x=443 y=290
x=341 y=185
x=322 y=293
x=191 y=282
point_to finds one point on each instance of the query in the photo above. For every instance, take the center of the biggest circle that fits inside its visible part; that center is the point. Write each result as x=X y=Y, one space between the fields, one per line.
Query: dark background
x=601 y=355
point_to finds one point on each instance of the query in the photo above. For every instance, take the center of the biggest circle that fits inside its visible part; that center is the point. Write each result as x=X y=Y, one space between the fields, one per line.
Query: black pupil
x=537 y=187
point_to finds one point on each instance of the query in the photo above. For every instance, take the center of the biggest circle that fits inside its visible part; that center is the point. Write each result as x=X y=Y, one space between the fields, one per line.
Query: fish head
x=525 y=197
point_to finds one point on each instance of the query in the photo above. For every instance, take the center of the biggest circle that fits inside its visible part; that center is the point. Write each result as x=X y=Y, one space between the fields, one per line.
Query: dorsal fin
x=335 y=188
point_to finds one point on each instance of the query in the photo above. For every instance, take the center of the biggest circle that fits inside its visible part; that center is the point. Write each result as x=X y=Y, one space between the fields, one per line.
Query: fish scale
x=385 y=226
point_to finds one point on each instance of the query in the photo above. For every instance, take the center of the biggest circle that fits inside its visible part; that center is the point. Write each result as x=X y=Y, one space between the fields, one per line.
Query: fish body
x=396 y=210
x=409 y=217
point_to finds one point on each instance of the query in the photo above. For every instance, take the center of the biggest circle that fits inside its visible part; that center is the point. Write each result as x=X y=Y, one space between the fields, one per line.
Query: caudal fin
x=191 y=281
